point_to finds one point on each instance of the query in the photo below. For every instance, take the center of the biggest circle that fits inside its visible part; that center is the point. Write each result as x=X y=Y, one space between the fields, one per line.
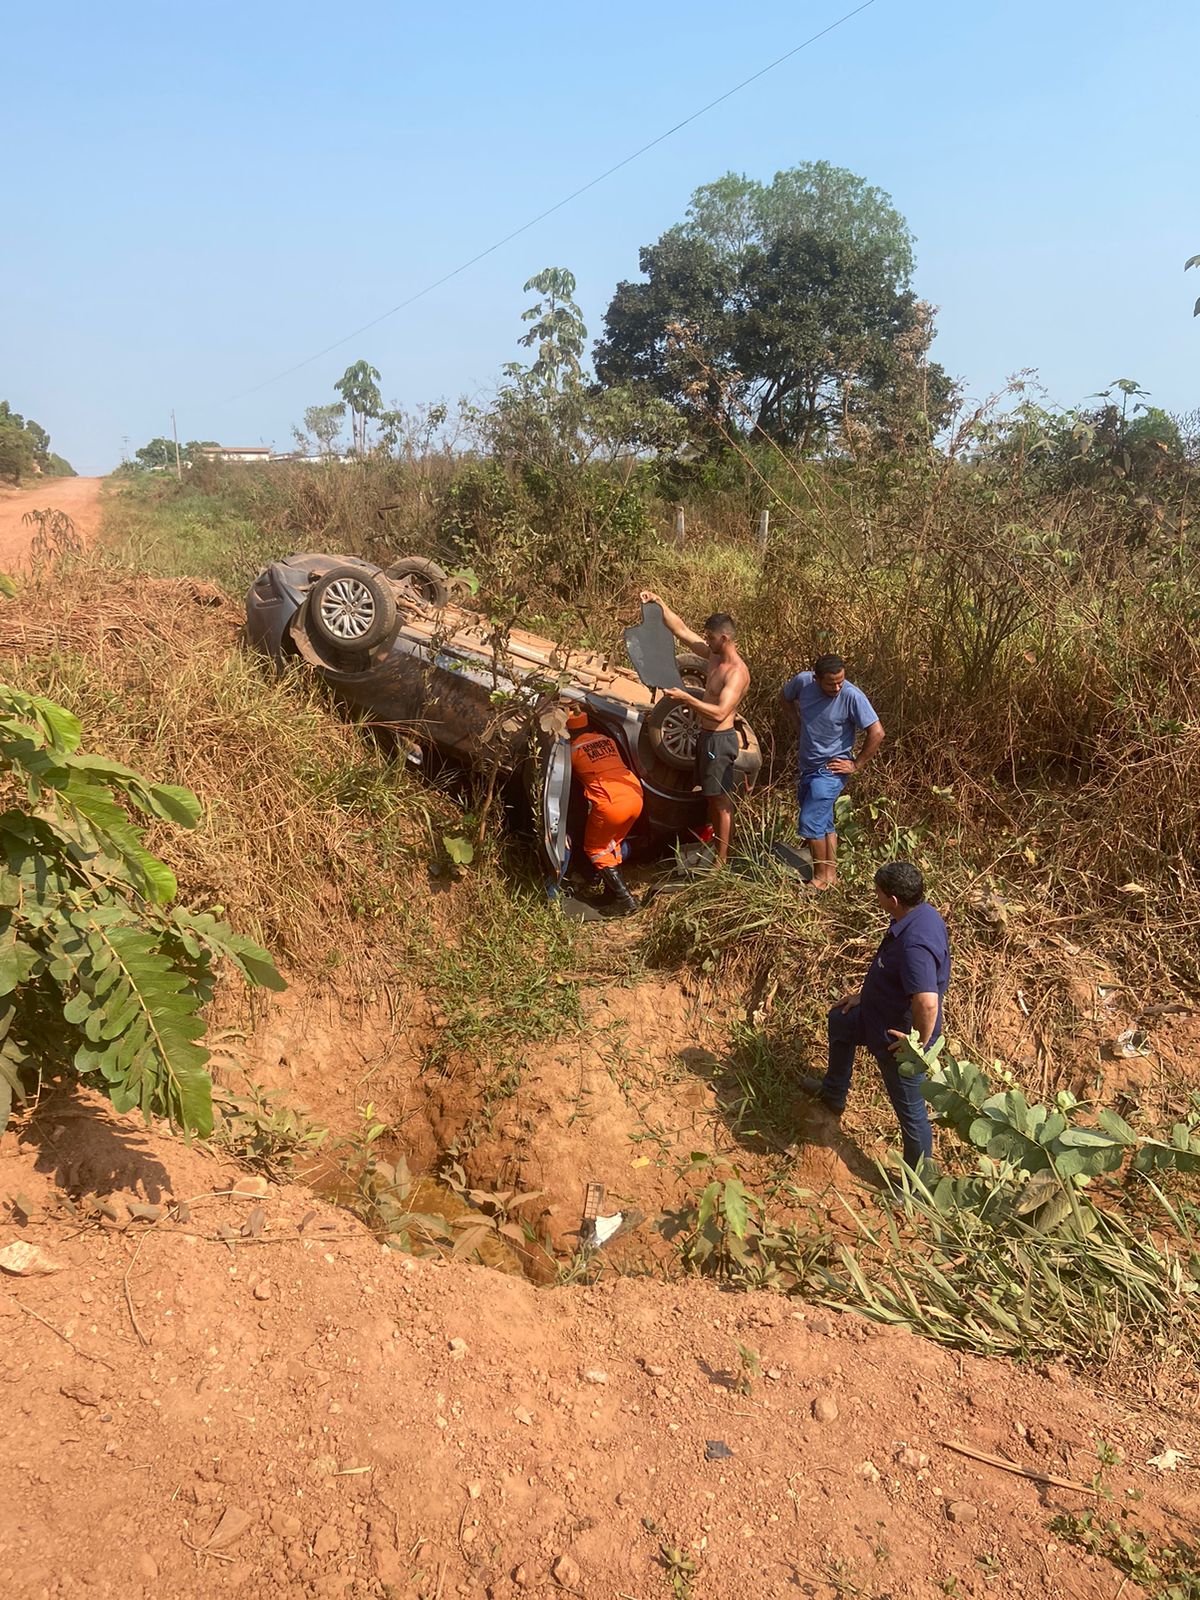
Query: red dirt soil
x=78 y=497
x=191 y=1408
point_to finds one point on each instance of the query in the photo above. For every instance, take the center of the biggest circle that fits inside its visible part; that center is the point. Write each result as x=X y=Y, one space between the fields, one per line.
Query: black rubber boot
x=617 y=891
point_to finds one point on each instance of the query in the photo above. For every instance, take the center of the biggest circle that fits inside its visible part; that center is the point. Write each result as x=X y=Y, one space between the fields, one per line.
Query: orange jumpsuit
x=614 y=796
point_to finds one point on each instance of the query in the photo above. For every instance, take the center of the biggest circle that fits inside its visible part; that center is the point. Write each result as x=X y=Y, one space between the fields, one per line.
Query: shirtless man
x=726 y=682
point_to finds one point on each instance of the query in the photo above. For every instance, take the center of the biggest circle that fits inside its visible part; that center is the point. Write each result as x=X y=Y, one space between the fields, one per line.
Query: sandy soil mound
x=245 y=1394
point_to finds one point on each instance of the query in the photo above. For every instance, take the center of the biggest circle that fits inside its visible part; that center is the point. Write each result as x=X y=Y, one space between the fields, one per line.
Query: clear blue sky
x=198 y=199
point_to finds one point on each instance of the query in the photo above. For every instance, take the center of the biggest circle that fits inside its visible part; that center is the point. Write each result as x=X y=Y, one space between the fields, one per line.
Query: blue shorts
x=817 y=792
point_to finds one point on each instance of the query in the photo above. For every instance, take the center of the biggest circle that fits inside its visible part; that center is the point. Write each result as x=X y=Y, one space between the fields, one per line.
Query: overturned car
x=401 y=645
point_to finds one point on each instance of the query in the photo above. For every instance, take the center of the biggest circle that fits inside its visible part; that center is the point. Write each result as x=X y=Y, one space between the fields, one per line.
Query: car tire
x=692 y=669
x=429 y=581
x=351 y=610
x=671 y=732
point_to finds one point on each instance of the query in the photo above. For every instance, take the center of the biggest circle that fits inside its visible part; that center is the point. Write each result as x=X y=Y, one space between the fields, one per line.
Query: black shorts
x=716 y=754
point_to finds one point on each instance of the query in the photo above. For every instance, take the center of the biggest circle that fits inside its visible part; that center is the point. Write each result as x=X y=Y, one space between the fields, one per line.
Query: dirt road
x=78 y=497
x=314 y=1418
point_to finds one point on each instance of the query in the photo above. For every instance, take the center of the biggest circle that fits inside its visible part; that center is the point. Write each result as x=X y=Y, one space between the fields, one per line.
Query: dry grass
x=306 y=829
x=1036 y=671
x=312 y=839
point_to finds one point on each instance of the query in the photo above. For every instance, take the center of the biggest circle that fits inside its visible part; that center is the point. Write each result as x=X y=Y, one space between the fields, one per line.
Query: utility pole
x=175 y=436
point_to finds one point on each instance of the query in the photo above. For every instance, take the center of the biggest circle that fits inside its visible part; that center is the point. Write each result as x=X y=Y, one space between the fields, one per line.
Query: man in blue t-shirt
x=904 y=988
x=831 y=712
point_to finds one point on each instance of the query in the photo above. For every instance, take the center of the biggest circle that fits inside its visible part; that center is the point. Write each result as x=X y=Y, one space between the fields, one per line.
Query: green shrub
x=557 y=531
x=97 y=968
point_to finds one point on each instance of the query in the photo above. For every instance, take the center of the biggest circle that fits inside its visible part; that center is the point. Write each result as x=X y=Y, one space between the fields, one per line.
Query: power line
x=550 y=210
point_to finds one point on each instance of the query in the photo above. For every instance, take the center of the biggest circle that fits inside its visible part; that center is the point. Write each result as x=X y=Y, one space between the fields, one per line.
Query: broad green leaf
x=737 y=1210
x=176 y=804
x=117 y=836
x=10 y=963
x=1116 y=1127
x=1052 y=1126
x=77 y=1008
x=460 y=851
x=64 y=730
x=203 y=932
x=102 y=767
x=261 y=969
x=708 y=1204
x=1087 y=1138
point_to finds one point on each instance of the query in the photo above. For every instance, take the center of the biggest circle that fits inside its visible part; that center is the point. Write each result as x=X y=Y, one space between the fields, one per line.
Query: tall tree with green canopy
x=359 y=388
x=25 y=448
x=798 y=313
x=736 y=212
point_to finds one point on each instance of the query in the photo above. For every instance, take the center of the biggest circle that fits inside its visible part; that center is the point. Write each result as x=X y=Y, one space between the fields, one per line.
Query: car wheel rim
x=348 y=609
x=678 y=731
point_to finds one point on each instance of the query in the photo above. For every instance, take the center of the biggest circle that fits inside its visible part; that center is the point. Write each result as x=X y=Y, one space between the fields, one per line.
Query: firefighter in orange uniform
x=614 y=803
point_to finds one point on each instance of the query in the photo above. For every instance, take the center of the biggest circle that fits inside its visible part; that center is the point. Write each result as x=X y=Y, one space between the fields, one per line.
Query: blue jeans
x=845 y=1036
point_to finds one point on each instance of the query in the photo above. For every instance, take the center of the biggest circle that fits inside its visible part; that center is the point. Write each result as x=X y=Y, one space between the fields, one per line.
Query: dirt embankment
x=248 y=1396
x=79 y=498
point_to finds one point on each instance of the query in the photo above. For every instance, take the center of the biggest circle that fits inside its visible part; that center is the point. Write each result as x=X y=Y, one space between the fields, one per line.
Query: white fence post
x=764 y=523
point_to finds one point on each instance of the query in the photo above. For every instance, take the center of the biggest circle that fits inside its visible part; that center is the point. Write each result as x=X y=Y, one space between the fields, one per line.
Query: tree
x=550 y=414
x=25 y=448
x=1121 y=465
x=815 y=197
x=411 y=435
x=558 y=333
x=561 y=496
x=795 y=300
x=159 y=454
x=156 y=456
x=322 y=423
x=196 y=450
x=687 y=281
x=40 y=440
x=16 y=447
x=359 y=388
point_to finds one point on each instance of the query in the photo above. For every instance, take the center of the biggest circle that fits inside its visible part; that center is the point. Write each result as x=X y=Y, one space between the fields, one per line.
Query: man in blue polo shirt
x=831 y=713
x=903 y=989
